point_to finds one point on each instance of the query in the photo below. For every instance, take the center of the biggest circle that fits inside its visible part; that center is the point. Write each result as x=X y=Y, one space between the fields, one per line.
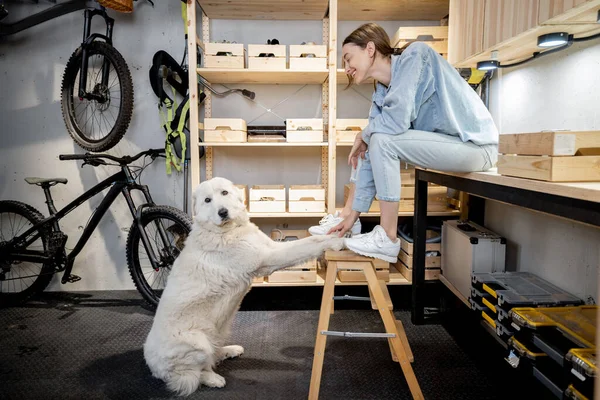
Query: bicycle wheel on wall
x=20 y=280
x=156 y=220
x=98 y=121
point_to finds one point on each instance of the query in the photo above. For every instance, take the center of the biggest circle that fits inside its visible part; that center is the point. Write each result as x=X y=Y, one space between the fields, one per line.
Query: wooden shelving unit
x=263 y=144
x=287 y=77
x=329 y=79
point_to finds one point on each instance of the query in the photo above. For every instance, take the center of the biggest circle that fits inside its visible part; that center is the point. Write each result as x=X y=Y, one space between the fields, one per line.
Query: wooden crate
x=235 y=58
x=267 y=198
x=244 y=190
x=430 y=273
x=316 y=62
x=304 y=130
x=277 y=62
x=551 y=156
x=408 y=247
x=346 y=129
x=435 y=37
x=306 y=198
x=225 y=130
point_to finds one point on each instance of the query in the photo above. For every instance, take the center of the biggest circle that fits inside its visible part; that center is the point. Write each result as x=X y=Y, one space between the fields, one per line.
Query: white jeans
x=379 y=172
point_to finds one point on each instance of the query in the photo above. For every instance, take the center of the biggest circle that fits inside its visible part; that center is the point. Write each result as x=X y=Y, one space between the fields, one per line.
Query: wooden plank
x=568 y=11
x=404 y=340
x=522 y=46
x=349 y=255
x=589 y=191
x=397 y=10
x=293 y=276
x=454 y=290
x=505 y=19
x=566 y=143
x=323 y=325
x=556 y=169
x=465 y=29
x=386 y=294
x=264 y=10
x=242 y=75
x=390 y=327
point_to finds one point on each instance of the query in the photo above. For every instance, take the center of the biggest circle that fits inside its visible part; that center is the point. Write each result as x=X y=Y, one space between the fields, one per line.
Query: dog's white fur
x=207 y=283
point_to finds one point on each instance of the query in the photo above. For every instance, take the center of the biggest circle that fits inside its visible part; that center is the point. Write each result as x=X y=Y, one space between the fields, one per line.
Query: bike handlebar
x=121 y=160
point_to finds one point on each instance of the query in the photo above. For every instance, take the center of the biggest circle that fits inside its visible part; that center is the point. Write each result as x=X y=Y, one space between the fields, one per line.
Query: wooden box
x=304 y=130
x=267 y=198
x=244 y=190
x=306 y=198
x=346 y=129
x=275 y=61
x=224 y=55
x=405 y=261
x=225 y=130
x=306 y=272
x=308 y=57
x=434 y=36
x=551 y=156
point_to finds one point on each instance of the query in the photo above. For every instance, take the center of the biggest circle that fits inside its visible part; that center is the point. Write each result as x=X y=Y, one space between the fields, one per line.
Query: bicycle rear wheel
x=99 y=122
x=20 y=280
x=177 y=225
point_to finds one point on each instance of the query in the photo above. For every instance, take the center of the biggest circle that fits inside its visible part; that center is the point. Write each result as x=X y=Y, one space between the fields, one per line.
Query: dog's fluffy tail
x=184 y=382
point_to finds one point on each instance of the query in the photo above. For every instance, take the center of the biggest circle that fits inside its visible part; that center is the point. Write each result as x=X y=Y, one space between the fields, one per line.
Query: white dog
x=209 y=279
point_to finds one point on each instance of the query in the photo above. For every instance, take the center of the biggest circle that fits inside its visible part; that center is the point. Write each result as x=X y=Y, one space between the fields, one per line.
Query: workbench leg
x=419 y=238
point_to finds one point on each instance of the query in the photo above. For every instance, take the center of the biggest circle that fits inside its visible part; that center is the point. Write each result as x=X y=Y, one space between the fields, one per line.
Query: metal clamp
x=358 y=334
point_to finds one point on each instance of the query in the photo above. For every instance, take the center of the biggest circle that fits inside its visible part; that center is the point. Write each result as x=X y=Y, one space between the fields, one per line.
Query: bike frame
x=120 y=183
x=45 y=15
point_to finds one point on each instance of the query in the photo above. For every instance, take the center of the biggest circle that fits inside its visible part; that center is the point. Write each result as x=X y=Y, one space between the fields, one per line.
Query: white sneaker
x=331 y=220
x=375 y=244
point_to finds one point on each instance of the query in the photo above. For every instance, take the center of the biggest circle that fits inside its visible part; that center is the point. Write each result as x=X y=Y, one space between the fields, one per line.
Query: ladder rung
x=358 y=334
x=346 y=297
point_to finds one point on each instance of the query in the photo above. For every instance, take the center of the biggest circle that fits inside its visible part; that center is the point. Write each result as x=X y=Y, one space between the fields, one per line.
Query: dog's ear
x=239 y=193
x=195 y=203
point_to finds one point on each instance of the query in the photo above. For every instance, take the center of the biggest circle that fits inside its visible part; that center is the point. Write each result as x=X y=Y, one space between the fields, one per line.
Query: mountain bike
x=33 y=247
x=97 y=89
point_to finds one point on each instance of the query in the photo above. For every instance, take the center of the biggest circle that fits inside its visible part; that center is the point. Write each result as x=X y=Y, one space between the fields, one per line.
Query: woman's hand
x=358 y=150
x=345 y=225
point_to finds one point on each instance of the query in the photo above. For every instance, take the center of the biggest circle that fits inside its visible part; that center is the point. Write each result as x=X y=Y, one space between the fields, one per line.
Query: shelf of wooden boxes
x=299 y=70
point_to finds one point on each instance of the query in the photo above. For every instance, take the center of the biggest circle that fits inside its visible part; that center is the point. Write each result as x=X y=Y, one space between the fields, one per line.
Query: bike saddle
x=39 y=181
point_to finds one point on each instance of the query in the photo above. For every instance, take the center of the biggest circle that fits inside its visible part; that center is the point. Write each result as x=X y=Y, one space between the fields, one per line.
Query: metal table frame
x=574 y=209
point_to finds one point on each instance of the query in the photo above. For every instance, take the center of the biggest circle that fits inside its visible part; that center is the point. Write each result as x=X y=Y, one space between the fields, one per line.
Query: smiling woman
x=422 y=113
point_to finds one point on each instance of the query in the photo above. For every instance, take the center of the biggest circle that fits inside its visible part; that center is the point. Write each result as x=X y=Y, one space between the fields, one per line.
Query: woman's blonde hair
x=371 y=32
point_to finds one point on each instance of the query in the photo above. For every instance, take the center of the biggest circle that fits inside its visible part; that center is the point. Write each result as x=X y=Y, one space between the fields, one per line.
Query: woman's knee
x=379 y=144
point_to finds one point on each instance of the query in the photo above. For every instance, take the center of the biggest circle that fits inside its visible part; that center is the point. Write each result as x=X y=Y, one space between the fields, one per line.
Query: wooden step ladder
x=380 y=300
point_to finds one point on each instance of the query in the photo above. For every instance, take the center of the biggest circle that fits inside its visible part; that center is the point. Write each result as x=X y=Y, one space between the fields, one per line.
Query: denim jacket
x=427 y=93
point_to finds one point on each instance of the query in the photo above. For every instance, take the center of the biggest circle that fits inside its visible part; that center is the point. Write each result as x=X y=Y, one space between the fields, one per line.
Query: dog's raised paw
x=232 y=351
x=212 y=379
x=337 y=244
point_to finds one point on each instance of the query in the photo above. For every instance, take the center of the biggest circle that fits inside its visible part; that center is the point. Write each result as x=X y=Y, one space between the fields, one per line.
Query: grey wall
x=559 y=91
x=33 y=132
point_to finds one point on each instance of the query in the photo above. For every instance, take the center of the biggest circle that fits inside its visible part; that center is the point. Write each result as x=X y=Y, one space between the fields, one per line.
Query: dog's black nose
x=223 y=213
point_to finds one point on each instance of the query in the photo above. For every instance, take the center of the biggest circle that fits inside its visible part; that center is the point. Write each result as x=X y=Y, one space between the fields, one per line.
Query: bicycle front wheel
x=167 y=228
x=99 y=120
